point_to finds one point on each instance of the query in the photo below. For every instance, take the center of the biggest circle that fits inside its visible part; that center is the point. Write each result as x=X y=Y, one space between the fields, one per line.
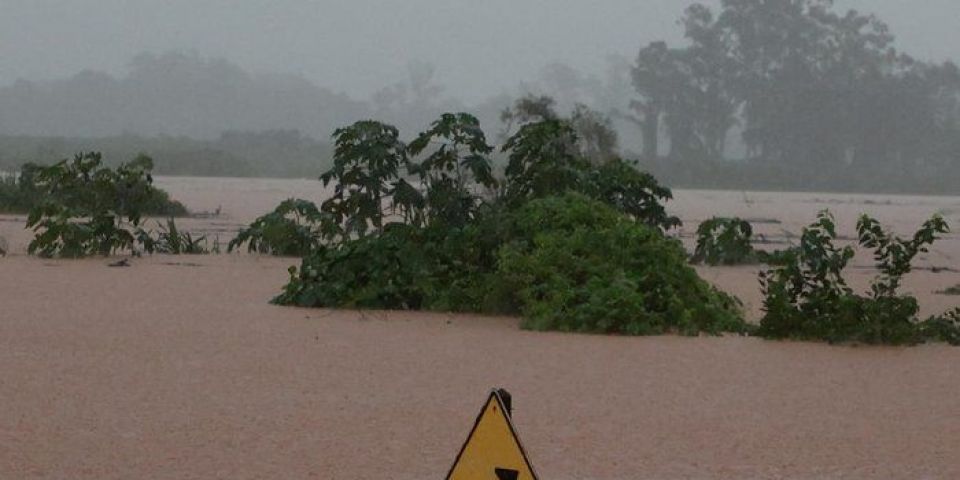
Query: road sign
x=493 y=450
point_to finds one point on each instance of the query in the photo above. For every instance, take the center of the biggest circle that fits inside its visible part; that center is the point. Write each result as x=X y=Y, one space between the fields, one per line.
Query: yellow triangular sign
x=493 y=450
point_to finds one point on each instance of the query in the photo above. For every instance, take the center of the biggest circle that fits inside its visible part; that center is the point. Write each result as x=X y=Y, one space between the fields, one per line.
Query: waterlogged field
x=177 y=367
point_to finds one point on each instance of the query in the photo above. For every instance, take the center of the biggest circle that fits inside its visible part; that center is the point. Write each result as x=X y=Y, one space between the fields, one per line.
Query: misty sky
x=357 y=46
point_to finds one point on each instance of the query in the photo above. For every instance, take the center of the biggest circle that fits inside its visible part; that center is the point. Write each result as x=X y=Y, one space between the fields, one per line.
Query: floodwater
x=177 y=367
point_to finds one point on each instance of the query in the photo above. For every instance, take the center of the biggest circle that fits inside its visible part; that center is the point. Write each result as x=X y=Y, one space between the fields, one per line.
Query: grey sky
x=357 y=46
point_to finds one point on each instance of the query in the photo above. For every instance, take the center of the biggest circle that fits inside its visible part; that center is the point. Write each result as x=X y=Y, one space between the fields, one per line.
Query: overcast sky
x=480 y=47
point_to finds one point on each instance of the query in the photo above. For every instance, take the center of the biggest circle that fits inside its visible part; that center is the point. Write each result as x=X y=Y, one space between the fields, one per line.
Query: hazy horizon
x=361 y=47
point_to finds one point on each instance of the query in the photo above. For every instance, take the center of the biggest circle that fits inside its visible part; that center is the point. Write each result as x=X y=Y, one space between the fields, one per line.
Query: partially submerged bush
x=365 y=173
x=806 y=296
x=578 y=265
x=86 y=208
x=572 y=245
x=621 y=185
x=456 y=163
x=724 y=241
x=20 y=192
x=567 y=243
x=545 y=161
x=294 y=228
x=565 y=263
x=170 y=240
x=375 y=271
x=943 y=328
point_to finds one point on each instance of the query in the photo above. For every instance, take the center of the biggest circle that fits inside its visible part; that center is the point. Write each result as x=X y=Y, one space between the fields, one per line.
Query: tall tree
x=653 y=77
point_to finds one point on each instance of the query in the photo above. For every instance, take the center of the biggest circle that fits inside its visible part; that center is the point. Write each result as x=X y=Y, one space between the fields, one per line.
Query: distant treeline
x=803 y=96
x=820 y=99
x=275 y=153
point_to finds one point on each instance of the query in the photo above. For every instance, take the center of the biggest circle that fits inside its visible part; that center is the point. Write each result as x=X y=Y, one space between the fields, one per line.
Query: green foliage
x=21 y=193
x=893 y=254
x=942 y=328
x=457 y=163
x=159 y=204
x=565 y=263
x=376 y=271
x=621 y=185
x=596 y=139
x=366 y=168
x=578 y=265
x=724 y=241
x=88 y=209
x=542 y=161
x=294 y=228
x=438 y=267
x=60 y=232
x=806 y=296
x=569 y=244
x=170 y=240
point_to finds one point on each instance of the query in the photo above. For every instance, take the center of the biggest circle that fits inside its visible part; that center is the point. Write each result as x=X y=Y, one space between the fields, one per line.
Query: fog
x=119 y=70
x=359 y=46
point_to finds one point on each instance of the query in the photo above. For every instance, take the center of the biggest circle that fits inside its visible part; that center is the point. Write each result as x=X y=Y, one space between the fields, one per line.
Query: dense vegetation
x=807 y=297
x=70 y=181
x=568 y=237
x=292 y=229
x=78 y=208
x=569 y=243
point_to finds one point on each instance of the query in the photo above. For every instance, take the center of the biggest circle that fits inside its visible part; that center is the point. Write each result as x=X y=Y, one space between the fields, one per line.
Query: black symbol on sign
x=506 y=474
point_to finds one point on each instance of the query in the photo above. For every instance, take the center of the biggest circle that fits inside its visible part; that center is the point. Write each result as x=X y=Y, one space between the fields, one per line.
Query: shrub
x=543 y=161
x=294 y=228
x=724 y=241
x=170 y=240
x=578 y=265
x=86 y=208
x=565 y=263
x=456 y=163
x=365 y=172
x=942 y=328
x=375 y=271
x=405 y=267
x=21 y=193
x=159 y=204
x=570 y=245
x=806 y=296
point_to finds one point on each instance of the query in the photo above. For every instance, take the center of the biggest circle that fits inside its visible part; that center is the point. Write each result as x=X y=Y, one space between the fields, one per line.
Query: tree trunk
x=651 y=133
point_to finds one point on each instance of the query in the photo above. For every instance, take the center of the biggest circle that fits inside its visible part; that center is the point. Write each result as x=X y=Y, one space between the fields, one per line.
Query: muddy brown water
x=179 y=368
